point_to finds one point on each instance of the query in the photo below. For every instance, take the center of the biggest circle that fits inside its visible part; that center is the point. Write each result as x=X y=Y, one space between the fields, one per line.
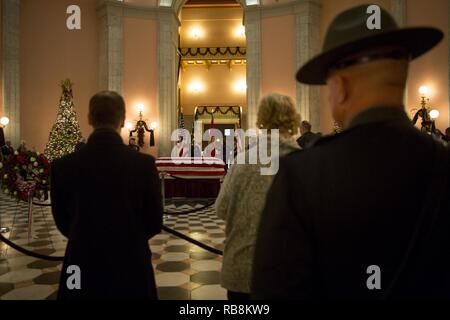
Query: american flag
x=183 y=150
x=181 y=121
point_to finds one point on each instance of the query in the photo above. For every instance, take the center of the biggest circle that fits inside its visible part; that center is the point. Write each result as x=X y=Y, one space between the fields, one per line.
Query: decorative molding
x=110 y=18
x=279 y=9
x=252 y=22
x=398 y=11
x=307 y=43
x=11 y=67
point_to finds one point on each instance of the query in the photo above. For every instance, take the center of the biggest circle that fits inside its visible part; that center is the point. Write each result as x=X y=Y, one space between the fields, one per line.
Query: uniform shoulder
x=330 y=138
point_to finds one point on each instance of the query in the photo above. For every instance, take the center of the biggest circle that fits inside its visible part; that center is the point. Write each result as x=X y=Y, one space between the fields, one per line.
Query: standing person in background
x=22 y=147
x=446 y=137
x=106 y=200
x=243 y=194
x=7 y=149
x=307 y=138
x=133 y=144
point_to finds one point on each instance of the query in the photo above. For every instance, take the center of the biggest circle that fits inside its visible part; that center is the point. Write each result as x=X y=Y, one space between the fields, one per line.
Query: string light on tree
x=66 y=132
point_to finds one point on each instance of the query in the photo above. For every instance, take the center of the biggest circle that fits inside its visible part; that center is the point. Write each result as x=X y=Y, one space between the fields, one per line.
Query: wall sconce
x=4 y=121
x=240 y=86
x=197 y=32
x=128 y=126
x=196 y=87
x=141 y=127
x=240 y=31
x=434 y=114
x=428 y=117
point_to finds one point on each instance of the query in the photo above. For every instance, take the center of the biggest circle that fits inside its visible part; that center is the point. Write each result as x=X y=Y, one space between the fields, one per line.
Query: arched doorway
x=212 y=66
x=168 y=95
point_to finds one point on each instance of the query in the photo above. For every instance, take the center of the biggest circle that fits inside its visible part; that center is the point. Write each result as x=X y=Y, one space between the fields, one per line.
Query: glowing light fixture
x=434 y=114
x=196 y=87
x=153 y=125
x=4 y=121
x=128 y=125
x=424 y=91
x=240 y=86
x=140 y=107
x=197 y=32
x=240 y=31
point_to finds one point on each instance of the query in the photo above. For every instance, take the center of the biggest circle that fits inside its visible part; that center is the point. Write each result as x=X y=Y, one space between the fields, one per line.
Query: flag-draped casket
x=195 y=177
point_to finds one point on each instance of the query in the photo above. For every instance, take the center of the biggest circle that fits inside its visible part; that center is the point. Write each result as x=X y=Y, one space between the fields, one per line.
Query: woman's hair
x=277 y=111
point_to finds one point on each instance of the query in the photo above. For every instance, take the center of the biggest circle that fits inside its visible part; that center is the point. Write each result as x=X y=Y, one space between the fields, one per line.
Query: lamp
x=140 y=127
x=434 y=114
x=428 y=117
x=4 y=121
x=240 y=31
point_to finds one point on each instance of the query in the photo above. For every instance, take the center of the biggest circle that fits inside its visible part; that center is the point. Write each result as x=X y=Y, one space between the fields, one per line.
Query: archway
x=168 y=24
x=212 y=66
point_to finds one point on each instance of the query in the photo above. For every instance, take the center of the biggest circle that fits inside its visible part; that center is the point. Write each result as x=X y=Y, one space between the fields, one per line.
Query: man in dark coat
x=307 y=138
x=108 y=210
x=364 y=214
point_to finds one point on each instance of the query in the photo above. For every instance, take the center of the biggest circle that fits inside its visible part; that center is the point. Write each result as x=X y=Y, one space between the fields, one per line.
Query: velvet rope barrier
x=193 y=241
x=57 y=258
x=165 y=228
x=28 y=252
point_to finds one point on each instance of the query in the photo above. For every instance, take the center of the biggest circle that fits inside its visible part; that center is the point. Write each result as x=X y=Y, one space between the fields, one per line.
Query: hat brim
x=416 y=41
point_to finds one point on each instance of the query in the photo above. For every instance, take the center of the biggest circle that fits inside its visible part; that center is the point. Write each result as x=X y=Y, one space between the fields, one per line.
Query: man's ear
x=338 y=89
x=122 y=123
x=89 y=120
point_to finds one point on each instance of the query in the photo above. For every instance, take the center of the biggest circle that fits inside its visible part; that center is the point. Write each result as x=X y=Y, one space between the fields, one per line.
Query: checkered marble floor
x=183 y=271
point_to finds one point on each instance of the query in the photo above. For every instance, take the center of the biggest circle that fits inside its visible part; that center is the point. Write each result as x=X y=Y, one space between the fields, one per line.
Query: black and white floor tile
x=183 y=270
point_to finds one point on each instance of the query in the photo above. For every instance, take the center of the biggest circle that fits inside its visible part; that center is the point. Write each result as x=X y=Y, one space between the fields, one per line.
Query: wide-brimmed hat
x=349 y=34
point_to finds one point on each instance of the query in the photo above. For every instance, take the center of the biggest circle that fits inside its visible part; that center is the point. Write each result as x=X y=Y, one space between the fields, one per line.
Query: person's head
x=380 y=82
x=107 y=111
x=8 y=143
x=277 y=111
x=132 y=141
x=447 y=132
x=363 y=65
x=305 y=127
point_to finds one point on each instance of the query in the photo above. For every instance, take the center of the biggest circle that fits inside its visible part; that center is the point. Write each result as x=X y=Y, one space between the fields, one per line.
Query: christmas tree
x=66 y=133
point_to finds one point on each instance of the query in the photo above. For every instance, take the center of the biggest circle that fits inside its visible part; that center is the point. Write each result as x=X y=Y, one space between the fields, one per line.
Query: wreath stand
x=29 y=188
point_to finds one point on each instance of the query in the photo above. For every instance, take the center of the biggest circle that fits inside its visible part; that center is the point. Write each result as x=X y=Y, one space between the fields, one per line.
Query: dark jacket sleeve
x=153 y=208
x=60 y=208
x=283 y=255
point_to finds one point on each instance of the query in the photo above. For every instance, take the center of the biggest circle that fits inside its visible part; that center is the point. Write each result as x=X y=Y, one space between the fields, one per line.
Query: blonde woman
x=243 y=193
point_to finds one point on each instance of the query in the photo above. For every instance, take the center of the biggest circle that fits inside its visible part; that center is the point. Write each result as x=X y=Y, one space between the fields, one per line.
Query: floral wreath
x=25 y=174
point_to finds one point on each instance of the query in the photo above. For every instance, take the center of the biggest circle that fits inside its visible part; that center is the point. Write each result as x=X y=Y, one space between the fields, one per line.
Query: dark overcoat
x=106 y=200
x=361 y=215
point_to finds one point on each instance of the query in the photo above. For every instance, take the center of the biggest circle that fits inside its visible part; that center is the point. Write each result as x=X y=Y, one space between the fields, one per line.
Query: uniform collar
x=380 y=114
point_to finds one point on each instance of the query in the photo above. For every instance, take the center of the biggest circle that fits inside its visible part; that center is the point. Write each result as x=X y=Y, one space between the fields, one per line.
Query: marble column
x=168 y=25
x=11 y=68
x=110 y=18
x=398 y=10
x=307 y=43
x=253 y=35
